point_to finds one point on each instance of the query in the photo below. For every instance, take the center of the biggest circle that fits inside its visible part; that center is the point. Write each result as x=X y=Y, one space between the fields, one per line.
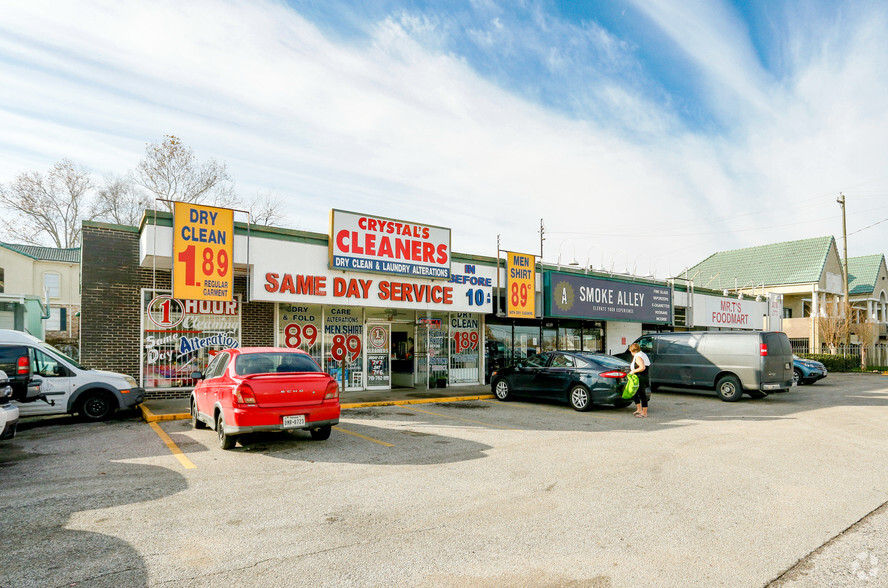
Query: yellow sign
x=203 y=252
x=520 y=285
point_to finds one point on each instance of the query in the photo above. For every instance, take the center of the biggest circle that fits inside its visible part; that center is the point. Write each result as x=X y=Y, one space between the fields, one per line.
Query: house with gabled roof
x=808 y=273
x=30 y=275
x=868 y=289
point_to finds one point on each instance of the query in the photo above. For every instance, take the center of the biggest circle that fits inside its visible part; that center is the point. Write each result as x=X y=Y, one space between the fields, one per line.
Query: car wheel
x=321 y=433
x=579 y=398
x=502 y=389
x=728 y=389
x=797 y=377
x=96 y=405
x=196 y=423
x=225 y=441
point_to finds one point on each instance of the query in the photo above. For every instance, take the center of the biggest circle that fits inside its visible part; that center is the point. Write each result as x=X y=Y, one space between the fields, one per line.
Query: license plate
x=294 y=421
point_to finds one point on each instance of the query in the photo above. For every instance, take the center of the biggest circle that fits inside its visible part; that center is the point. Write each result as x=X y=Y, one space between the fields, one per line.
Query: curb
x=150 y=417
x=419 y=401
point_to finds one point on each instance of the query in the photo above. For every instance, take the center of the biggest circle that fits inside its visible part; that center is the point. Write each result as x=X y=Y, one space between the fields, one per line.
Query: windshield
x=267 y=363
x=62 y=355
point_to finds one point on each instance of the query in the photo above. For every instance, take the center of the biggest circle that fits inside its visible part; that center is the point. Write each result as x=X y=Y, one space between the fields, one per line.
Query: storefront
x=623 y=309
x=379 y=304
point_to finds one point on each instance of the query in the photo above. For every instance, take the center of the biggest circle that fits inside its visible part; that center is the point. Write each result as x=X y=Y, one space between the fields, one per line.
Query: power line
x=869 y=227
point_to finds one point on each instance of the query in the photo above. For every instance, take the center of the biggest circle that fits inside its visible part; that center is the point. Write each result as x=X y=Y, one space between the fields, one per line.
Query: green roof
x=863 y=273
x=69 y=255
x=777 y=264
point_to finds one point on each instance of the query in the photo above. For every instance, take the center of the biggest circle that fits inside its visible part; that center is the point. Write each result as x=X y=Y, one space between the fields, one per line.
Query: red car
x=255 y=389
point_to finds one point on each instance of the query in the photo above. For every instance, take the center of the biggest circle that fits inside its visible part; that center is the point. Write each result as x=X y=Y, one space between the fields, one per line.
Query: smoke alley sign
x=573 y=296
x=362 y=242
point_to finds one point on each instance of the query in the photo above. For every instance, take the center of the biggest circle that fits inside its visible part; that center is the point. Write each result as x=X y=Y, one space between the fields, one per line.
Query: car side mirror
x=197 y=376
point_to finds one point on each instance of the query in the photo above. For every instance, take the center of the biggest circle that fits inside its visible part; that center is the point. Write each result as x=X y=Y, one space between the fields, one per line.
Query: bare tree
x=118 y=202
x=47 y=207
x=867 y=334
x=171 y=171
x=266 y=209
x=832 y=327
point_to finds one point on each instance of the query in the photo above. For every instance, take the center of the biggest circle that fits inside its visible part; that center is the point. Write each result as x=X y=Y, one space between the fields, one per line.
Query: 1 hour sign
x=203 y=247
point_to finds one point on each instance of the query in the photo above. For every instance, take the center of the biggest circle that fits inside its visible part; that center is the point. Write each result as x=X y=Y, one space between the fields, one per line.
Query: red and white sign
x=367 y=243
x=297 y=273
x=729 y=312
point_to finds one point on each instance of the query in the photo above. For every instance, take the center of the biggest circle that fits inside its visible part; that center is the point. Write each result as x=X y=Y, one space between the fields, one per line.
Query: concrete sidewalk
x=177 y=409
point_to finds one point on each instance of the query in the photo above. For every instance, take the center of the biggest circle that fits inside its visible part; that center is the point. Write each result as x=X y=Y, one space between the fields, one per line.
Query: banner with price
x=520 y=285
x=203 y=252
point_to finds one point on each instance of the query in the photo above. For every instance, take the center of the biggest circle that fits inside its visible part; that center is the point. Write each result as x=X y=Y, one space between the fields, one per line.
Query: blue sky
x=646 y=134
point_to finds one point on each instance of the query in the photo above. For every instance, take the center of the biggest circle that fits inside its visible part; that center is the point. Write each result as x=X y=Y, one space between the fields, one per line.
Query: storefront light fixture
x=574 y=262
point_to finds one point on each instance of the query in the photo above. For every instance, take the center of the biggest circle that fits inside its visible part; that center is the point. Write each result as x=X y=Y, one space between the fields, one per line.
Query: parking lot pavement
x=480 y=493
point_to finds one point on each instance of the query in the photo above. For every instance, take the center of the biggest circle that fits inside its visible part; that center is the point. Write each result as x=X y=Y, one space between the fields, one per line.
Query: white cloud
x=394 y=128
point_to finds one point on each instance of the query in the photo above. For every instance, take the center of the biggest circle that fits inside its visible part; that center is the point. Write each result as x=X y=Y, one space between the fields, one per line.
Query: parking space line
x=364 y=437
x=186 y=463
x=460 y=419
x=547 y=409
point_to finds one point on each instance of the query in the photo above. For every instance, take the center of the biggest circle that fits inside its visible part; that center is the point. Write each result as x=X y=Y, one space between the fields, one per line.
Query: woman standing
x=639 y=366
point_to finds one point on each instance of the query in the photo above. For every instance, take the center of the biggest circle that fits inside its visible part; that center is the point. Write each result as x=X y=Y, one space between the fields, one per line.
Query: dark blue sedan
x=807 y=371
x=577 y=377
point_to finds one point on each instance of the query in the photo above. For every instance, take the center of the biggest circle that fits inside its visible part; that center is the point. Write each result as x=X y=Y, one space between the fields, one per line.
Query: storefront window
x=569 y=337
x=465 y=348
x=497 y=347
x=182 y=336
x=432 y=350
x=550 y=334
x=593 y=337
x=527 y=342
x=343 y=343
x=300 y=327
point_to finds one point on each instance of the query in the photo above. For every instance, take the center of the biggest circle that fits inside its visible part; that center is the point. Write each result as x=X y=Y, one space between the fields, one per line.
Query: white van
x=66 y=386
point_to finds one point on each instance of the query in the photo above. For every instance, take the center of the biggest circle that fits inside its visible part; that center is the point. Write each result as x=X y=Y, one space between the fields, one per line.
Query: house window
x=787 y=312
x=51 y=284
x=1 y=281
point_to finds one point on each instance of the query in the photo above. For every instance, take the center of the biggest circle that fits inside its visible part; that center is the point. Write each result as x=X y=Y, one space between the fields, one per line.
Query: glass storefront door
x=379 y=372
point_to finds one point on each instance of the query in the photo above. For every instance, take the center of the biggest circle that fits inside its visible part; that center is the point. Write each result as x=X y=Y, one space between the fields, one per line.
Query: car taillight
x=243 y=394
x=763 y=350
x=613 y=374
x=23 y=367
x=332 y=390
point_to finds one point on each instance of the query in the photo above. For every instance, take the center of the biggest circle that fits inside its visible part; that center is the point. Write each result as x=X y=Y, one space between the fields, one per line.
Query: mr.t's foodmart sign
x=367 y=243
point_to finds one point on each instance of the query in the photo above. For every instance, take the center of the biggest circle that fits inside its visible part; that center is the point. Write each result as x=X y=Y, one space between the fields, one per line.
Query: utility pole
x=542 y=298
x=841 y=201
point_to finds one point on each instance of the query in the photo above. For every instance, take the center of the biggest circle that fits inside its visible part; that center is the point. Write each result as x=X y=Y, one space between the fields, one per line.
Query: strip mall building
x=387 y=301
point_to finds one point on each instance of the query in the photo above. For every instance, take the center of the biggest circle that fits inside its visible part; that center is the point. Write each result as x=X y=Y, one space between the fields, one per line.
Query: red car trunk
x=288 y=389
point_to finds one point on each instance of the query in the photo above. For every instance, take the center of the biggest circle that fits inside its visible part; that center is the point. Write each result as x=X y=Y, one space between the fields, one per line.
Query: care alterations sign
x=203 y=252
x=520 y=285
x=363 y=242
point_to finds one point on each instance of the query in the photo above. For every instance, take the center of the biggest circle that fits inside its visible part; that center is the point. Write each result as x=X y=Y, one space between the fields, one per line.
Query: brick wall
x=110 y=307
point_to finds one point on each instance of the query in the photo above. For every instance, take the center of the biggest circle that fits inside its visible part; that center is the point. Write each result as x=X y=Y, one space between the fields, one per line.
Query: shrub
x=834 y=363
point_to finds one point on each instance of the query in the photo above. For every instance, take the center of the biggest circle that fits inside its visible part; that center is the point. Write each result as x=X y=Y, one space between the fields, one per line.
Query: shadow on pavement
x=36 y=548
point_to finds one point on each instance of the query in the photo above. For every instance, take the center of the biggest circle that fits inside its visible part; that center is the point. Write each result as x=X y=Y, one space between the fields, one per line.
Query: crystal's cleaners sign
x=369 y=243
